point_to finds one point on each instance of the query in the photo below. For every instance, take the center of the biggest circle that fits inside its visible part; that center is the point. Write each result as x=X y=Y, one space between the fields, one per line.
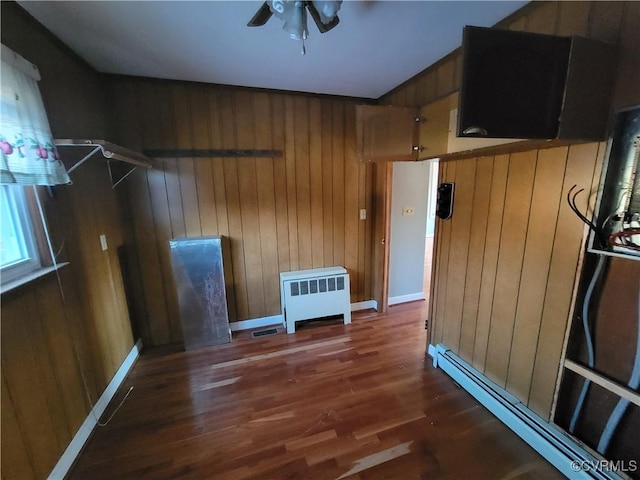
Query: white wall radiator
x=309 y=294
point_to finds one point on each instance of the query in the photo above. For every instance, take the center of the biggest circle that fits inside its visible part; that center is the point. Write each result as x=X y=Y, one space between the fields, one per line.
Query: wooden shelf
x=110 y=151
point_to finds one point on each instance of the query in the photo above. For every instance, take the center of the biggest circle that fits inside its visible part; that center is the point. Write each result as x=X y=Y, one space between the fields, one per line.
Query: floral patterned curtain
x=29 y=156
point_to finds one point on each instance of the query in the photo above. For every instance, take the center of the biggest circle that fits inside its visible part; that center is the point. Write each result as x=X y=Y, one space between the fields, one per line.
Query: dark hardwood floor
x=331 y=401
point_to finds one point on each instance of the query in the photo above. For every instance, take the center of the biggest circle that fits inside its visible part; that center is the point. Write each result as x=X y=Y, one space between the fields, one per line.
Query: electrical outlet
x=408 y=211
x=363 y=214
x=103 y=242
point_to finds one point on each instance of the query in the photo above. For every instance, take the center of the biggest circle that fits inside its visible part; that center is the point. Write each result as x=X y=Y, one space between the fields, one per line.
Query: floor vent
x=264 y=333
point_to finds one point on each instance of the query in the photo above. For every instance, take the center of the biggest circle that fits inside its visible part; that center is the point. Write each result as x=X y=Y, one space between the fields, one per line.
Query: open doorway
x=411 y=229
x=432 y=192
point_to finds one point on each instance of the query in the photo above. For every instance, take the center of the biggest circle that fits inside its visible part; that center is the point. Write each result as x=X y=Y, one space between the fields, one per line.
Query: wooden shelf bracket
x=110 y=151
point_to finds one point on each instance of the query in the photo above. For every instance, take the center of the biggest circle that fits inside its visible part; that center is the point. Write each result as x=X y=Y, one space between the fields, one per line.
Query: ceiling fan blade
x=323 y=27
x=262 y=15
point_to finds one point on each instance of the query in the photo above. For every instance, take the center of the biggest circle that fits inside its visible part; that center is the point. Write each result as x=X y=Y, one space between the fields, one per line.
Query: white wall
x=406 y=259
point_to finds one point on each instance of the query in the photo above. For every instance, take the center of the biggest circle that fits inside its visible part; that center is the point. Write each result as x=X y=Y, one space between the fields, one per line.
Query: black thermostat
x=444 y=203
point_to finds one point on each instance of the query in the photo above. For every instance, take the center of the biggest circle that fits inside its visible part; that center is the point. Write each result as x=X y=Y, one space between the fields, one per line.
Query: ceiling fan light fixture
x=296 y=24
x=327 y=9
x=283 y=9
x=293 y=13
x=277 y=7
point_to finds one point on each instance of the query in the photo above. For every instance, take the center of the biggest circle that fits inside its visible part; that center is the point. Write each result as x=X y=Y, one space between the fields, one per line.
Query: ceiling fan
x=294 y=15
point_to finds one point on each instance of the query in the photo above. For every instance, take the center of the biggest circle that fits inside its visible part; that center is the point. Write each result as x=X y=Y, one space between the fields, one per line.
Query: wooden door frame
x=383 y=178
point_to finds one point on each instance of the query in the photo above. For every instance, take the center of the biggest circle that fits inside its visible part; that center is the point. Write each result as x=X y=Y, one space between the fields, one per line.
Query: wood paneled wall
x=297 y=211
x=506 y=263
x=615 y=22
x=43 y=399
x=62 y=339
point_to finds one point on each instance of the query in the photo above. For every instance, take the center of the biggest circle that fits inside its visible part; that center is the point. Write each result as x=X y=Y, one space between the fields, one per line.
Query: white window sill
x=30 y=277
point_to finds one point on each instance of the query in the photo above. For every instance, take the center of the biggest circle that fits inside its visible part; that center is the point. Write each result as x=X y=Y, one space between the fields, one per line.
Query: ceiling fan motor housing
x=327 y=10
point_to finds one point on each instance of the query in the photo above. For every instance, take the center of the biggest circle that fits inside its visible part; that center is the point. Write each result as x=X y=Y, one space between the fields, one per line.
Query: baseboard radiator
x=561 y=450
x=315 y=293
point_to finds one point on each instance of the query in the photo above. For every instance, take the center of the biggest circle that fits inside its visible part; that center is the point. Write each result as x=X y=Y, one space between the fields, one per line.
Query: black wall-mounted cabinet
x=527 y=85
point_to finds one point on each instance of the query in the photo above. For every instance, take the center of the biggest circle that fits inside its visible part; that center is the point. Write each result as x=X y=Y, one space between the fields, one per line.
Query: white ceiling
x=376 y=46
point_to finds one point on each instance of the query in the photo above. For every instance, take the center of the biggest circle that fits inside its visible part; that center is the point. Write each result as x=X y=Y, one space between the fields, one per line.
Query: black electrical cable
x=574 y=207
x=571 y=200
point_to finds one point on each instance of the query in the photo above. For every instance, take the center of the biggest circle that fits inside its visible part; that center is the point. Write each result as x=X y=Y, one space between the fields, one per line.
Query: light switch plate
x=363 y=214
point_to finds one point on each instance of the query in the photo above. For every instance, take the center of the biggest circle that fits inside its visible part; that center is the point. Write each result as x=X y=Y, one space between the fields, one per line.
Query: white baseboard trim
x=364 y=305
x=277 y=319
x=412 y=297
x=256 y=323
x=84 y=432
x=561 y=450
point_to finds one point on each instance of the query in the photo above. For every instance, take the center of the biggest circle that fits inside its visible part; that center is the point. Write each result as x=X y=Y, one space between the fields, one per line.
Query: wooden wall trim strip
x=209 y=153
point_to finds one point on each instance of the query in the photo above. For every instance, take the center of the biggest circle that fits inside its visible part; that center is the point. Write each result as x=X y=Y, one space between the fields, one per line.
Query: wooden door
x=434 y=127
x=386 y=133
x=382 y=172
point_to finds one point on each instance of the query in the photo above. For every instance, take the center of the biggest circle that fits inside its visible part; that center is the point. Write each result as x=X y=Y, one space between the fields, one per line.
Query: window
x=27 y=158
x=18 y=247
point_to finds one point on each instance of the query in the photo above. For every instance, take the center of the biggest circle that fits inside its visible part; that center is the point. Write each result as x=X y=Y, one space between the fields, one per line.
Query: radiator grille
x=322 y=285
